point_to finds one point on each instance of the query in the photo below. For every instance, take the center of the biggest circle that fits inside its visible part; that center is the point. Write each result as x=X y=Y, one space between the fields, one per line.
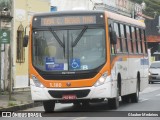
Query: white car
x=154 y=72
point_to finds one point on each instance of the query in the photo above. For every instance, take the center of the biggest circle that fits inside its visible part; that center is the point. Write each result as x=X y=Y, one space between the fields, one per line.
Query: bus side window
x=138 y=40
x=117 y=47
x=141 y=40
x=129 y=41
x=123 y=39
x=113 y=39
x=134 y=39
x=144 y=43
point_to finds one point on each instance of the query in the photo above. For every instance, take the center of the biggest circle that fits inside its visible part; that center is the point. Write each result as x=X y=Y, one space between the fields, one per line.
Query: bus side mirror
x=113 y=37
x=25 y=41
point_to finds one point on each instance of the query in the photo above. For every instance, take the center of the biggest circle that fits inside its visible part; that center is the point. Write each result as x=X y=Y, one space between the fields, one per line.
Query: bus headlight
x=149 y=73
x=37 y=82
x=101 y=80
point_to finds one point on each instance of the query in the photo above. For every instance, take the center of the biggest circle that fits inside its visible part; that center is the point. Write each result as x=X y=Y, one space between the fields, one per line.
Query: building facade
x=62 y=5
x=153 y=37
x=23 y=11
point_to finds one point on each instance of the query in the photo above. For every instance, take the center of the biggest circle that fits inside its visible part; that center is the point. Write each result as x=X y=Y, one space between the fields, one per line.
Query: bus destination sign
x=68 y=20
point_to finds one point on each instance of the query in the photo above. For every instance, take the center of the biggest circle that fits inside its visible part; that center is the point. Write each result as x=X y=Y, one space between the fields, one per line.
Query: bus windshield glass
x=69 y=50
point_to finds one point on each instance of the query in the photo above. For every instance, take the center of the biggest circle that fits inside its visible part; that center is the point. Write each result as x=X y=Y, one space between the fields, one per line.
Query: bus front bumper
x=107 y=90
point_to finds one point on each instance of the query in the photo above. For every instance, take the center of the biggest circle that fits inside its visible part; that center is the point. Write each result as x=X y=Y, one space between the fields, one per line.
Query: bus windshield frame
x=70 y=40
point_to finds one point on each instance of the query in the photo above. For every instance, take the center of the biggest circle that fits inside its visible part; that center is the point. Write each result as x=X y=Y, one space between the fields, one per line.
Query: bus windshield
x=69 y=50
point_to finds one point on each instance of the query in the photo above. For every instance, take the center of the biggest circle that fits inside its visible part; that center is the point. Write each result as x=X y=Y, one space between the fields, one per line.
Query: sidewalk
x=20 y=100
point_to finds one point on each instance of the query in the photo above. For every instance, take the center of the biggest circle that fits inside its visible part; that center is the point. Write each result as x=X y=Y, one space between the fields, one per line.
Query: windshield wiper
x=57 y=38
x=79 y=36
x=62 y=44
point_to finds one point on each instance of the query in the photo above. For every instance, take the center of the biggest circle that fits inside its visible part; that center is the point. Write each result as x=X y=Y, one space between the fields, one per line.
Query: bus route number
x=55 y=85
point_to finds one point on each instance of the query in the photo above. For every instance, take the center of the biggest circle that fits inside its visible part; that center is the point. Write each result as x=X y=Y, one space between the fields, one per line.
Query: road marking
x=80 y=118
x=142 y=100
x=158 y=95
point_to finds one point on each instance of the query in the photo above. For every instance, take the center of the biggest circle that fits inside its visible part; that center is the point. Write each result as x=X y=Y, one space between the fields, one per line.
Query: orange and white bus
x=86 y=56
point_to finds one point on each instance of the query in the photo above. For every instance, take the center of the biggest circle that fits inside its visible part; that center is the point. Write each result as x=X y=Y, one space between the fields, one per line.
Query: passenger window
x=129 y=40
x=134 y=39
x=118 y=45
x=141 y=42
x=122 y=37
x=138 y=40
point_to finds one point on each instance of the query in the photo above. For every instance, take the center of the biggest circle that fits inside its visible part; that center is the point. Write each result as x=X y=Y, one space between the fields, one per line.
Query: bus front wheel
x=49 y=105
x=125 y=99
x=113 y=103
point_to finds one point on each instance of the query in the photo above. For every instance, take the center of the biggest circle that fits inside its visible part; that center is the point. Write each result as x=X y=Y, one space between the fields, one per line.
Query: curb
x=22 y=107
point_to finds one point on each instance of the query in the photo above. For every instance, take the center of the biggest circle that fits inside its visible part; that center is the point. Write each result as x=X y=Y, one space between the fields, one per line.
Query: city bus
x=82 y=57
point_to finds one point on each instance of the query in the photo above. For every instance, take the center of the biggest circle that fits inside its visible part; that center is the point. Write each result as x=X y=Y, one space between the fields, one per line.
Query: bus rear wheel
x=135 y=96
x=49 y=106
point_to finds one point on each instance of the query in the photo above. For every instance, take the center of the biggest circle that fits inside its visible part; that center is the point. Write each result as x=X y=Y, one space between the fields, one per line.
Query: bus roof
x=110 y=15
x=73 y=12
x=124 y=19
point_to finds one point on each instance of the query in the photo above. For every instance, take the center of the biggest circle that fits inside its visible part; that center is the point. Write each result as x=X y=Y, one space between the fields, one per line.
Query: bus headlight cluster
x=37 y=82
x=101 y=80
x=149 y=73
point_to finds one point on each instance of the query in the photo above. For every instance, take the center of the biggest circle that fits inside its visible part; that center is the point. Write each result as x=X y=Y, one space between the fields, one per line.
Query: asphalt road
x=149 y=104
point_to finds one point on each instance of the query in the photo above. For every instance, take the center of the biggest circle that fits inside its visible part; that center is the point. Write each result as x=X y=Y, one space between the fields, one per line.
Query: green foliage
x=152 y=6
x=12 y=103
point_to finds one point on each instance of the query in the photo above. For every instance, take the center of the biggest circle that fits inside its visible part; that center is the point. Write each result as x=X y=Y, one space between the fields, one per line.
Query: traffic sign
x=4 y=36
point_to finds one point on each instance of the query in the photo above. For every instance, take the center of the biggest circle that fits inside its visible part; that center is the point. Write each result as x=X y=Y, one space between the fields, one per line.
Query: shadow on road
x=92 y=110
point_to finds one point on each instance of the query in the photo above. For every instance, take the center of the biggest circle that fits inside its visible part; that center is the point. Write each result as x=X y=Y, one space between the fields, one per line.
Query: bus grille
x=68 y=77
x=78 y=93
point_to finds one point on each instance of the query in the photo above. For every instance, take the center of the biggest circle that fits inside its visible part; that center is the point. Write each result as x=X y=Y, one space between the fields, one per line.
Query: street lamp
x=5 y=19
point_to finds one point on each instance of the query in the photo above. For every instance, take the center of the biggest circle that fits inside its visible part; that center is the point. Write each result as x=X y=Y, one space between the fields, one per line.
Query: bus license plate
x=69 y=97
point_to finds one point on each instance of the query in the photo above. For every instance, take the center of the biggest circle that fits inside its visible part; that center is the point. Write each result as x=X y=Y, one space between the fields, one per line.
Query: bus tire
x=85 y=104
x=125 y=99
x=49 y=105
x=135 y=96
x=76 y=103
x=113 y=103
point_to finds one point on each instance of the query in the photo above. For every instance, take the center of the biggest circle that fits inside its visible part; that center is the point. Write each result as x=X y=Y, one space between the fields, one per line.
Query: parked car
x=154 y=72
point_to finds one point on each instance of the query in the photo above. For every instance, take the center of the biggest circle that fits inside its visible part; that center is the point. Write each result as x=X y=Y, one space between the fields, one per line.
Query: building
x=73 y=4
x=153 y=36
x=22 y=11
x=125 y=7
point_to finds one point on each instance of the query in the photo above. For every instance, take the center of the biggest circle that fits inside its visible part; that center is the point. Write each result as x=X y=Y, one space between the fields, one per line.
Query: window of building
x=20 y=49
